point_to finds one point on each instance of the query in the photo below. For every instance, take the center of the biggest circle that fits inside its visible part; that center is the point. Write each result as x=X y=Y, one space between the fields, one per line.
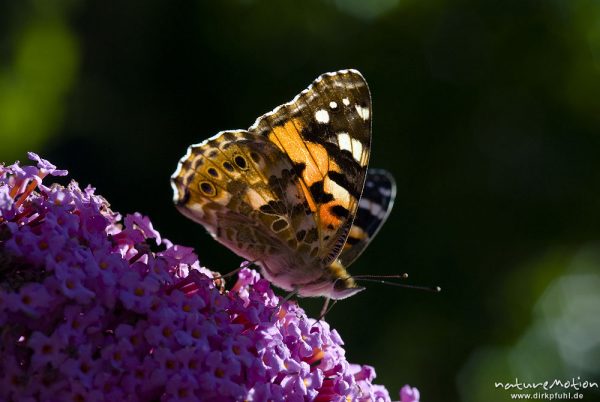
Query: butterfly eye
x=240 y=161
x=343 y=283
x=207 y=188
x=213 y=172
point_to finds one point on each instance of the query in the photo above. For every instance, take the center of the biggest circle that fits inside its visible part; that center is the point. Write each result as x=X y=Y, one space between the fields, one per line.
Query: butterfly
x=293 y=193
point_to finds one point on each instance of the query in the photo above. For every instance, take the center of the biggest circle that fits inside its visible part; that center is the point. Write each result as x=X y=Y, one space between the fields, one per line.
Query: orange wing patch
x=288 y=138
x=317 y=165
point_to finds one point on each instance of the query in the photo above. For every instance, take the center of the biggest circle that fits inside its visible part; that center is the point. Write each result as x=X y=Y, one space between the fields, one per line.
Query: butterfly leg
x=326 y=308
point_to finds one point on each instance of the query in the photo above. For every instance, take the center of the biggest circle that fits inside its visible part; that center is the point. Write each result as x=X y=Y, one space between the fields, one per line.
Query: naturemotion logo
x=574 y=384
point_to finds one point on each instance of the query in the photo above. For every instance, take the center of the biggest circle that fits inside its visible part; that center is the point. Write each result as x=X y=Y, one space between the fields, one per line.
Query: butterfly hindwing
x=238 y=185
x=374 y=208
x=326 y=133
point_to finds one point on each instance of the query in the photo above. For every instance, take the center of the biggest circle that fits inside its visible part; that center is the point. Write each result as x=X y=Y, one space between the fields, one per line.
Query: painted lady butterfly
x=292 y=193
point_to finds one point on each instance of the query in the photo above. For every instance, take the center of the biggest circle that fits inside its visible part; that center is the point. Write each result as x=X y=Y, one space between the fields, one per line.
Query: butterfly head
x=343 y=284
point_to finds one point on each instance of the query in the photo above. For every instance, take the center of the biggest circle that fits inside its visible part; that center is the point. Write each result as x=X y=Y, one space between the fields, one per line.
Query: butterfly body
x=285 y=193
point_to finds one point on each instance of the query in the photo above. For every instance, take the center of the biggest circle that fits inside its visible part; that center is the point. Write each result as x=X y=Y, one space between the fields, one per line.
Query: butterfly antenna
x=382 y=279
x=395 y=276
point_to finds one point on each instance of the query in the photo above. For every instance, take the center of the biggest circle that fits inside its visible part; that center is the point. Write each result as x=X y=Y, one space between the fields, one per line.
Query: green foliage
x=34 y=84
x=560 y=342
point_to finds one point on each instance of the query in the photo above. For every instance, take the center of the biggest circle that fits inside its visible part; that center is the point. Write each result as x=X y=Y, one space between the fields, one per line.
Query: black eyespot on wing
x=240 y=161
x=213 y=172
x=207 y=188
x=228 y=166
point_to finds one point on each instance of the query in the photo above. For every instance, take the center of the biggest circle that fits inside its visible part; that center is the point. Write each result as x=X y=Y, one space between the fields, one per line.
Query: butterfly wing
x=241 y=189
x=373 y=210
x=325 y=132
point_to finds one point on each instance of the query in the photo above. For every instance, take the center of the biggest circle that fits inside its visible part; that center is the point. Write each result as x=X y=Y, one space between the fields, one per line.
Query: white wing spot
x=350 y=144
x=374 y=208
x=344 y=141
x=363 y=112
x=346 y=101
x=322 y=116
x=339 y=192
x=175 y=190
x=385 y=192
x=357 y=149
x=333 y=105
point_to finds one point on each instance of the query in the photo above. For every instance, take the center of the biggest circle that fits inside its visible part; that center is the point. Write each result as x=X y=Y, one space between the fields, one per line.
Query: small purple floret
x=45 y=166
x=409 y=394
x=89 y=311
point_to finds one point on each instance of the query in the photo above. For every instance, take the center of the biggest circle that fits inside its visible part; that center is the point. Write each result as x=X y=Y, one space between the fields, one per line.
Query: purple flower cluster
x=94 y=307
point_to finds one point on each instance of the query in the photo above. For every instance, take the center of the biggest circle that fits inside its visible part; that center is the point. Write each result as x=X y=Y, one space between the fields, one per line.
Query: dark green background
x=486 y=112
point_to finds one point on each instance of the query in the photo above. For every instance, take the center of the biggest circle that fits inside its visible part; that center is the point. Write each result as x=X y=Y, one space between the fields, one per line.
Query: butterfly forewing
x=326 y=132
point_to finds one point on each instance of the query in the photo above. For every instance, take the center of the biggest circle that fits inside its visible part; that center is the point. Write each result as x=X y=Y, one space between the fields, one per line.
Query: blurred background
x=486 y=112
